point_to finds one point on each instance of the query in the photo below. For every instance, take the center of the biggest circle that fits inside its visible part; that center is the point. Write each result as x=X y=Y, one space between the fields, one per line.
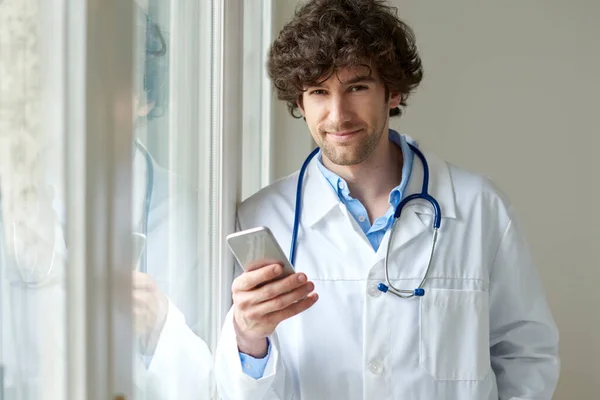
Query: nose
x=339 y=112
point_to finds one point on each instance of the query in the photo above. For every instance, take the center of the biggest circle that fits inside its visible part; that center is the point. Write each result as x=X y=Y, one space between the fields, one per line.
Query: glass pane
x=172 y=359
x=32 y=219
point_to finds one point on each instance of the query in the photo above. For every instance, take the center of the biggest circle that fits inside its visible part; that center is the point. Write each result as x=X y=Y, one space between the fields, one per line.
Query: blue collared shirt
x=254 y=367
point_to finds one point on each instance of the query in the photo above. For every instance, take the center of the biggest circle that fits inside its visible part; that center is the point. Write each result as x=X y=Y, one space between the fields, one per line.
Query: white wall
x=511 y=91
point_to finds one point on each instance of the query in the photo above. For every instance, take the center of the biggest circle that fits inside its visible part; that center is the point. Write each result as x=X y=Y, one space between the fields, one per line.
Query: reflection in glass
x=171 y=357
x=32 y=245
x=171 y=360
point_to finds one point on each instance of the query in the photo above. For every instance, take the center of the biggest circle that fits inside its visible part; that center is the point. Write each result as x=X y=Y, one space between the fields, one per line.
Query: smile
x=345 y=135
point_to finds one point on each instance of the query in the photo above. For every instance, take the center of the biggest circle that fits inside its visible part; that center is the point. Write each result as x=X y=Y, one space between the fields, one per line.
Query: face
x=348 y=114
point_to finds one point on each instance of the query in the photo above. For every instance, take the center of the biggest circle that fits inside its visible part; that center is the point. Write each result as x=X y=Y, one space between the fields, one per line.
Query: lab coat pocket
x=454 y=330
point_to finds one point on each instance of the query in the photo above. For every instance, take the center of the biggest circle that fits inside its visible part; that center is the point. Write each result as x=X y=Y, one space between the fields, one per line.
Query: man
x=482 y=329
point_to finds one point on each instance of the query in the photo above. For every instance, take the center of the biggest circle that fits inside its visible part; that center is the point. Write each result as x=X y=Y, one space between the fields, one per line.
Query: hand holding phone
x=268 y=292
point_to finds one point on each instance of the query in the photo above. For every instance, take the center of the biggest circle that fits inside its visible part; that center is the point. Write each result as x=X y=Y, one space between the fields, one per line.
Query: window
x=173 y=202
x=119 y=179
x=33 y=351
x=258 y=141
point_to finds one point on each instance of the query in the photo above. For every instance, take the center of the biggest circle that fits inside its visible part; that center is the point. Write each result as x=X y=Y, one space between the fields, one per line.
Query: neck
x=371 y=181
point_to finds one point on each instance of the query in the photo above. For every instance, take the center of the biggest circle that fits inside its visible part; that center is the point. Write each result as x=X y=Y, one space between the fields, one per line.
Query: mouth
x=343 y=134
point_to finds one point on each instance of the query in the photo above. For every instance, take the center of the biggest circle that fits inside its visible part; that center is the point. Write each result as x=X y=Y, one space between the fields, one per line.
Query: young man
x=482 y=329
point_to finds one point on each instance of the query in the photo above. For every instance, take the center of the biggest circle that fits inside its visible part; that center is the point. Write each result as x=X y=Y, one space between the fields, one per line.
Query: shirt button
x=361 y=218
x=375 y=367
x=342 y=185
x=247 y=366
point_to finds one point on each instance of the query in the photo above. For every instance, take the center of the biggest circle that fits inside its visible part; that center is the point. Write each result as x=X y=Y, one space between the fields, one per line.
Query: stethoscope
x=147 y=200
x=424 y=195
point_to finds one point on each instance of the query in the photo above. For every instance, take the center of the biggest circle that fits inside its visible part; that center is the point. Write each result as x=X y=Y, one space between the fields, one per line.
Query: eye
x=358 y=88
x=318 y=92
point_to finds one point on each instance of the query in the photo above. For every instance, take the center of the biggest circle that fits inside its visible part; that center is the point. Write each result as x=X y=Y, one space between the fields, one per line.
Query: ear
x=395 y=99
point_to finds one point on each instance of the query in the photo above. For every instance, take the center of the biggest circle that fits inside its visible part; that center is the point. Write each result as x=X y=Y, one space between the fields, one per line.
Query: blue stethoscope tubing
x=147 y=201
x=424 y=195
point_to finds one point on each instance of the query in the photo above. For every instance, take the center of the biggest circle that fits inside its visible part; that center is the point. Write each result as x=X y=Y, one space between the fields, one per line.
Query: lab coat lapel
x=409 y=225
x=417 y=216
x=318 y=197
x=320 y=203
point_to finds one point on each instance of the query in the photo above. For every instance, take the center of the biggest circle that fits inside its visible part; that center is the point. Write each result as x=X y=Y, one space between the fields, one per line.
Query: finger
x=283 y=301
x=143 y=281
x=276 y=288
x=140 y=297
x=247 y=299
x=138 y=278
x=139 y=312
x=137 y=275
x=292 y=310
x=144 y=286
x=251 y=279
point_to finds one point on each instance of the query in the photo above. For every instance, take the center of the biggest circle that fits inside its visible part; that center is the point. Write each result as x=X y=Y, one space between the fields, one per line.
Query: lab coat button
x=376 y=367
x=373 y=291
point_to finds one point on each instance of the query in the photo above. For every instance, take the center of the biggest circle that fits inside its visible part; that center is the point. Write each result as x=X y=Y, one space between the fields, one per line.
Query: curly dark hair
x=152 y=62
x=326 y=35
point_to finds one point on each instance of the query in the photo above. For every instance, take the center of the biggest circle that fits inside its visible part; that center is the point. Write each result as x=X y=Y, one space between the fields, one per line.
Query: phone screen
x=138 y=247
x=256 y=247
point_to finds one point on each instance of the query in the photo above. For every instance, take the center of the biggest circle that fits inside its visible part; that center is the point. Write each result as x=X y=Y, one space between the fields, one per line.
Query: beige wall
x=291 y=138
x=511 y=91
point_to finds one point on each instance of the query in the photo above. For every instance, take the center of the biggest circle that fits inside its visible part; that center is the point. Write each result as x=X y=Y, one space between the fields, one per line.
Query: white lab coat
x=32 y=331
x=483 y=330
x=182 y=364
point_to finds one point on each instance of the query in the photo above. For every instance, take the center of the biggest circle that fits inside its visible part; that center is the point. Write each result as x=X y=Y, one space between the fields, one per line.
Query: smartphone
x=138 y=246
x=257 y=247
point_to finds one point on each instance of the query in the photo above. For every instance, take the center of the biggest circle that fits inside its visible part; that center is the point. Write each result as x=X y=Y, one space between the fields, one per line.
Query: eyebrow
x=352 y=81
x=359 y=78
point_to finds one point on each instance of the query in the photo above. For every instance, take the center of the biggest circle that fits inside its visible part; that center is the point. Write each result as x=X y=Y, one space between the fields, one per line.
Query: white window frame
x=227 y=150
x=258 y=139
x=74 y=108
x=196 y=82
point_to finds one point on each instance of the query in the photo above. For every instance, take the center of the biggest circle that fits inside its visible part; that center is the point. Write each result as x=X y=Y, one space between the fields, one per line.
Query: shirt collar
x=318 y=199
